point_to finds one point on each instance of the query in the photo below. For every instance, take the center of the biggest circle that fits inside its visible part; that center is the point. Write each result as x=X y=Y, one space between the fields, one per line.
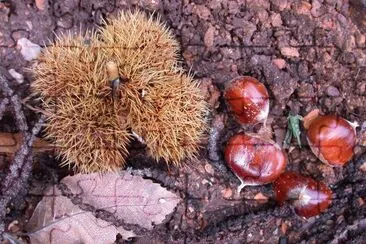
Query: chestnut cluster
x=102 y=90
x=258 y=161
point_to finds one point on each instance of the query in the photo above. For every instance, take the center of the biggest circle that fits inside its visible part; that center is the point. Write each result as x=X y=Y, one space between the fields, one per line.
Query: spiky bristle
x=82 y=120
x=155 y=98
x=172 y=119
x=71 y=64
x=138 y=42
x=88 y=133
x=165 y=106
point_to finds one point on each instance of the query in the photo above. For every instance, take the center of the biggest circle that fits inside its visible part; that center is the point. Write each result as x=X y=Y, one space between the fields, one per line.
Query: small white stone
x=28 y=49
x=29 y=24
x=17 y=76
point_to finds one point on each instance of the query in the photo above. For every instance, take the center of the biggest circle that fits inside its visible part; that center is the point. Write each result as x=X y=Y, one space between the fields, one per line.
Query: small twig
x=11 y=239
x=20 y=170
x=21 y=167
x=15 y=102
x=342 y=237
x=3 y=105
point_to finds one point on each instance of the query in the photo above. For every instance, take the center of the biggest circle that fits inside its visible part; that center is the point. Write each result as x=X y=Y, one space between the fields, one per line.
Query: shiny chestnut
x=248 y=99
x=253 y=160
x=332 y=139
x=308 y=197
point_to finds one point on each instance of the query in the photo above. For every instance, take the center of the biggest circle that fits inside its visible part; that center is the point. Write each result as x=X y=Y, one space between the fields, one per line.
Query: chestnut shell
x=248 y=99
x=308 y=197
x=332 y=139
x=253 y=160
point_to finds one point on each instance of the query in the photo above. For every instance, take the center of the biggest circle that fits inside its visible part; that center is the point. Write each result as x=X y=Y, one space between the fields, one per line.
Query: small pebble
x=208 y=39
x=17 y=76
x=332 y=91
x=261 y=198
x=316 y=9
x=262 y=15
x=303 y=8
x=41 y=4
x=227 y=193
x=202 y=11
x=279 y=62
x=28 y=49
x=276 y=20
x=209 y=169
x=29 y=24
x=280 y=4
x=328 y=174
x=290 y=52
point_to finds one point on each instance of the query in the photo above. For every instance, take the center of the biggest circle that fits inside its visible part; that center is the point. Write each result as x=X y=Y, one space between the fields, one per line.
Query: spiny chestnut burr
x=332 y=139
x=170 y=125
x=248 y=99
x=88 y=131
x=308 y=197
x=123 y=80
x=253 y=160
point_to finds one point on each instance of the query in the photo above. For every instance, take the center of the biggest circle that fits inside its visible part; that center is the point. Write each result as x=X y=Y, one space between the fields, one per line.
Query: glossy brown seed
x=307 y=196
x=332 y=139
x=248 y=99
x=253 y=160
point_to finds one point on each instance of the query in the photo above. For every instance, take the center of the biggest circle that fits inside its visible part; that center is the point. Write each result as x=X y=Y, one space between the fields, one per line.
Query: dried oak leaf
x=130 y=198
x=57 y=220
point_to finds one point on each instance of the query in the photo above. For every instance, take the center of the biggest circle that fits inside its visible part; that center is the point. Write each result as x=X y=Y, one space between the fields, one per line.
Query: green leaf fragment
x=293 y=130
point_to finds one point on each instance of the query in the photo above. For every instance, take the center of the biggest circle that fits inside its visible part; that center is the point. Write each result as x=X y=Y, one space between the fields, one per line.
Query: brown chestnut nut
x=248 y=99
x=332 y=139
x=253 y=160
x=308 y=197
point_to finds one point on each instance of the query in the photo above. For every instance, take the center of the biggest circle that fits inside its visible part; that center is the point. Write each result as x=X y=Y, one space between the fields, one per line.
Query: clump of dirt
x=309 y=54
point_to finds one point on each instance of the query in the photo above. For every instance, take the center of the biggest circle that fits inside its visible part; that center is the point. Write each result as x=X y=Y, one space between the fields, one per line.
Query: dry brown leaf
x=10 y=142
x=57 y=220
x=130 y=198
